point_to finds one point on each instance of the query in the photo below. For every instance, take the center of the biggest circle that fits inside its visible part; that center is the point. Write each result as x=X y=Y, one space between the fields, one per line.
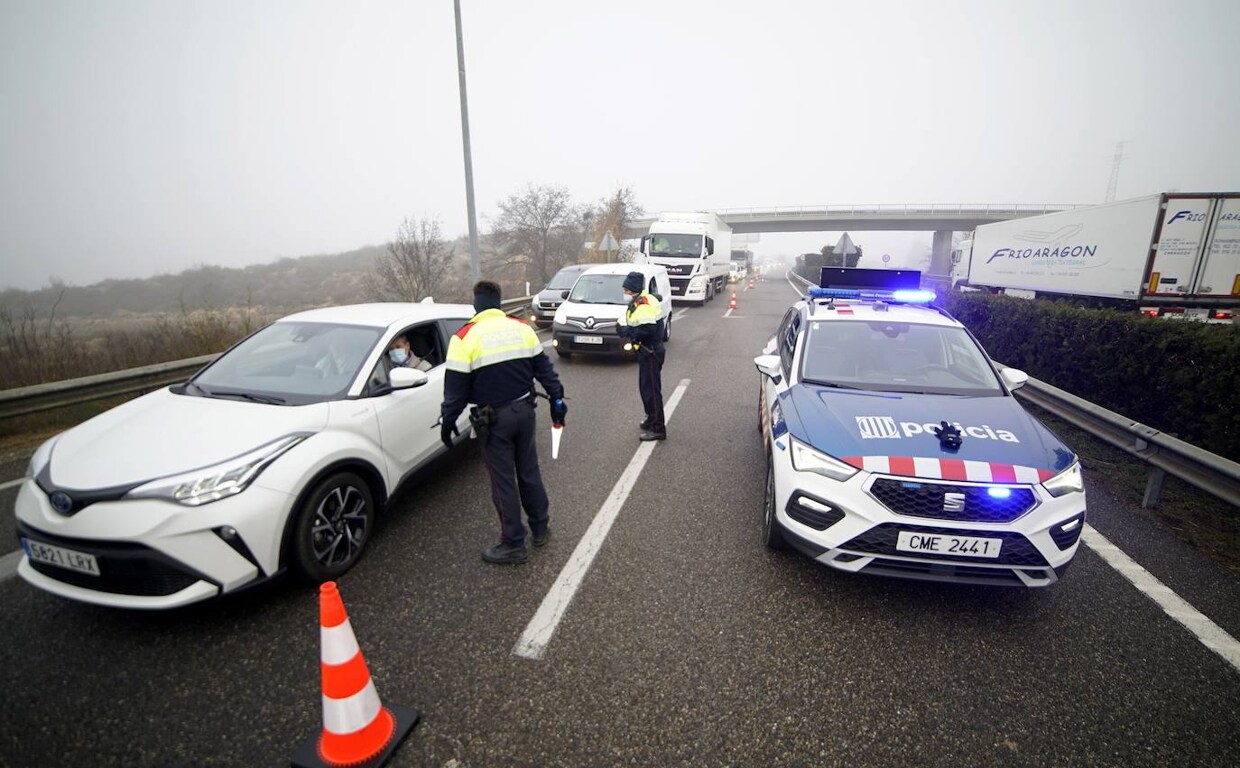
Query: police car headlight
x=1067 y=481
x=228 y=478
x=806 y=459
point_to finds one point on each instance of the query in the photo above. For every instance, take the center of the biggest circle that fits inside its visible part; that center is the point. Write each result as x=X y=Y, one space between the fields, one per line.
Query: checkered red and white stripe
x=950 y=469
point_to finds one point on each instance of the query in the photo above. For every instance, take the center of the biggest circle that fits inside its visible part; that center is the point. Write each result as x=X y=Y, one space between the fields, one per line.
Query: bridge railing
x=1162 y=453
x=905 y=209
x=41 y=398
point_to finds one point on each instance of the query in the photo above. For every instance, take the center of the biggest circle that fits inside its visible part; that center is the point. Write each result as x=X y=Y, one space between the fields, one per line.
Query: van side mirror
x=768 y=365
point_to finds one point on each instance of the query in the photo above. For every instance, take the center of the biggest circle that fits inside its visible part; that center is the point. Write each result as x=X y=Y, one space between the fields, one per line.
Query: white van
x=586 y=321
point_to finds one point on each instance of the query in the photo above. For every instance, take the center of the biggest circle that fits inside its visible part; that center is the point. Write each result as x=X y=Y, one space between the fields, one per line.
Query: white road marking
x=12 y=483
x=537 y=635
x=680 y=314
x=728 y=313
x=8 y=564
x=1210 y=634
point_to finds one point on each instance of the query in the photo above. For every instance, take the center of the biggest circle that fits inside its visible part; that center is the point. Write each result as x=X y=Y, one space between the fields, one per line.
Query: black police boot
x=648 y=435
x=506 y=553
x=542 y=537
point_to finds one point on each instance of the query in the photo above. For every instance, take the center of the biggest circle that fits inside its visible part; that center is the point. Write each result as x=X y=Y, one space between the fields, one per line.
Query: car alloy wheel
x=772 y=533
x=333 y=527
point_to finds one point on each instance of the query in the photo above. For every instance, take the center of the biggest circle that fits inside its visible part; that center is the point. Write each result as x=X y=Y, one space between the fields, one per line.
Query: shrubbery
x=1179 y=377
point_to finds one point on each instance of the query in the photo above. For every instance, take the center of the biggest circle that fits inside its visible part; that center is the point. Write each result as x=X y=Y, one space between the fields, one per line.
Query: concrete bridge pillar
x=941 y=253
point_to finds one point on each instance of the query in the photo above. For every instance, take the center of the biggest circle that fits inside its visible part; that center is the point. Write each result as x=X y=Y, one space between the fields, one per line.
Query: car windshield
x=676 y=245
x=289 y=363
x=564 y=279
x=599 y=289
x=897 y=357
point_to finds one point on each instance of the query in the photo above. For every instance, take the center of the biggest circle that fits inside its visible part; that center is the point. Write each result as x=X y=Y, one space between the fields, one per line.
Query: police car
x=894 y=447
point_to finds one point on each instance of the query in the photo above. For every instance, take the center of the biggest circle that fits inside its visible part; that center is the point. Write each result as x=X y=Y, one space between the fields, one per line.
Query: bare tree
x=414 y=266
x=612 y=215
x=540 y=229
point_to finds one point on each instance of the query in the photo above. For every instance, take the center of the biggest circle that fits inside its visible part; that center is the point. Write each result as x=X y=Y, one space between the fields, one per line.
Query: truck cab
x=695 y=248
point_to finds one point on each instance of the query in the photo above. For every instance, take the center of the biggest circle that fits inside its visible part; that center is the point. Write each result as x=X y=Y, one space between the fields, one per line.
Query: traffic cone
x=358 y=731
x=751 y=283
x=732 y=303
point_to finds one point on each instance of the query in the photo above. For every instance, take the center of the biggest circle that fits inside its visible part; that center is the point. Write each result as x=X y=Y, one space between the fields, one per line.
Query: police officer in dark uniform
x=643 y=327
x=493 y=362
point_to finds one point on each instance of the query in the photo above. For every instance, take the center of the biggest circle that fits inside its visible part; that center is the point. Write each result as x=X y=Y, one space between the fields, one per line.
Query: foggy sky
x=146 y=137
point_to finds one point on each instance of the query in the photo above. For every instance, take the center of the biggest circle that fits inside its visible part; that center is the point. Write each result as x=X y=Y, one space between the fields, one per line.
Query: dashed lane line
x=533 y=642
x=12 y=483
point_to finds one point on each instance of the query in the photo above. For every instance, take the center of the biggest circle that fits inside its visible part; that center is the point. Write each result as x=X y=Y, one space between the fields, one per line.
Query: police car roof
x=380 y=315
x=867 y=311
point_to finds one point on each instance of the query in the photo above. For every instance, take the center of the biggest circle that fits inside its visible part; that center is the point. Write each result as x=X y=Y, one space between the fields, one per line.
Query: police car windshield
x=599 y=289
x=897 y=357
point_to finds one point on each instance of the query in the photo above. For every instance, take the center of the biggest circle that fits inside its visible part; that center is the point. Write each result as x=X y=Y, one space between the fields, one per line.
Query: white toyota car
x=893 y=447
x=276 y=456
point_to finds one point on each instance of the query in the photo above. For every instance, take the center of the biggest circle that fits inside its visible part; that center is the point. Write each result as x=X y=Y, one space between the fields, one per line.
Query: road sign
x=886 y=258
x=608 y=243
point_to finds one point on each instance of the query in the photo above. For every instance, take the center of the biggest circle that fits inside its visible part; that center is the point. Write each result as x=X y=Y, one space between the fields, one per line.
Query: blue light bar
x=913 y=296
x=902 y=296
x=833 y=293
x=999 y=493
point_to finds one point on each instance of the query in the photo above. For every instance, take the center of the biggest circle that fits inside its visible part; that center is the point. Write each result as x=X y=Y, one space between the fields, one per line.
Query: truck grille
x=942 y=501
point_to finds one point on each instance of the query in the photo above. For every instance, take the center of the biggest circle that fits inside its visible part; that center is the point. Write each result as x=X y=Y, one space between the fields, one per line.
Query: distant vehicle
x=279 y=455
x=742 y=264
x=893 y=447
x=736 y=273
x=695 y=248
x=1174 y=255
x=586 y=321
x=544 y=305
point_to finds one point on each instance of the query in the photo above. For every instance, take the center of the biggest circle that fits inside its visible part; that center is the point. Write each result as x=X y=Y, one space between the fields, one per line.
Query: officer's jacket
x=494 y=359
x=645 y=320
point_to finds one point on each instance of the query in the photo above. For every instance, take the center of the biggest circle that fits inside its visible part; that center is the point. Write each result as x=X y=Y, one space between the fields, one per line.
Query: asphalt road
x=688 y=642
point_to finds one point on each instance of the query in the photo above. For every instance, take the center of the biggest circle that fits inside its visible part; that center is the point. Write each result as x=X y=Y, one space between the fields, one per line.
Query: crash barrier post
x=24 y=401
x=358 y=730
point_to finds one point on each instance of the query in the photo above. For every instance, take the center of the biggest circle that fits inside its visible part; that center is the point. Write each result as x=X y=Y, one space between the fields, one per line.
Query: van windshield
x=599 y=289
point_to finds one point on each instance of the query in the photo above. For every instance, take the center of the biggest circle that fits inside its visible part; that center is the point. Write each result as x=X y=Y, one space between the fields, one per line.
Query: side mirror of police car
x=405 y=378
x=1013 y=378
x=768 y=365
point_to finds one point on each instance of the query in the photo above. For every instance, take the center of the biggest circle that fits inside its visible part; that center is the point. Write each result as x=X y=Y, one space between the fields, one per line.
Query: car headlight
x=228 y=478
x=39 y=459
x=806 y=459
x=1067 y=481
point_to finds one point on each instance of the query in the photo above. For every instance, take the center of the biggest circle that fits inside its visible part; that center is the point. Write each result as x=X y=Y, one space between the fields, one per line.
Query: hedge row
x=1179 y=377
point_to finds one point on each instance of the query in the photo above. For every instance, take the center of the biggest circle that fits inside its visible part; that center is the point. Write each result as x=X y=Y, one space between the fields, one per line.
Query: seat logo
x=877 y=427
x=61 y=502
x=953 y=502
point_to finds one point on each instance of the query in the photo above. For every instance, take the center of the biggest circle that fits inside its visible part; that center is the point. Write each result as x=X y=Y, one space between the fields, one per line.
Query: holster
x=481 y=417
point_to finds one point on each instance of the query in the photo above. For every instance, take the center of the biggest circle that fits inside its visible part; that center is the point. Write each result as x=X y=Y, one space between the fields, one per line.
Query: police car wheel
x=332 y=527
x=772 y=533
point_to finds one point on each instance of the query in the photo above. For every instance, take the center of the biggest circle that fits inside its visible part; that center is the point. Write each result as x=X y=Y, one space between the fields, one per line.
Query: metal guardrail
x=905 y=209
x=1163 y=453
x=40 y=398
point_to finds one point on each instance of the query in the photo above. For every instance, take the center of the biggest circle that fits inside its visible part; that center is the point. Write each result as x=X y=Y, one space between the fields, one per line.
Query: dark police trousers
x=650 y=384
x=512 y=463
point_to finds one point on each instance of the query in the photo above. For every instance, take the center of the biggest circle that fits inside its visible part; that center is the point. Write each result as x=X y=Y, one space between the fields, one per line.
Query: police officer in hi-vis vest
x=644 y=327
x=493 y=362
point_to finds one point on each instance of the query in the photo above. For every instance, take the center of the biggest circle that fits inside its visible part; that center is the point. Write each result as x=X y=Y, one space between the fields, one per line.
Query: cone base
x=307 y=753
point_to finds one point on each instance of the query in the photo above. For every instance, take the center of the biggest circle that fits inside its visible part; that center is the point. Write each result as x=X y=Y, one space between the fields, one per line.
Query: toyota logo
x=61 y=502
x=589 y=322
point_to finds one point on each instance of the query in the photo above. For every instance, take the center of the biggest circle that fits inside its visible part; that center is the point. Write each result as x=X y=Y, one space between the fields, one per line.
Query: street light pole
x=474 y=269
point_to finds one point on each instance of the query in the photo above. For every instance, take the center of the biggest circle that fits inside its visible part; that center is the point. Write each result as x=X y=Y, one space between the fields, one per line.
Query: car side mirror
x=768 y=365
x=1013 y=378
x=405 y=378
x=563 y=294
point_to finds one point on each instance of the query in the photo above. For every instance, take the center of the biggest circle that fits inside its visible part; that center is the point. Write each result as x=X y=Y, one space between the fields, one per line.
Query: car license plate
x=963 y=546
x=588 y=339
x=61 y=557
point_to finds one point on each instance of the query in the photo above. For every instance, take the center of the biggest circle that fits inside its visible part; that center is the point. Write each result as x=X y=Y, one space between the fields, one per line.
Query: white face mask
x=398 y=355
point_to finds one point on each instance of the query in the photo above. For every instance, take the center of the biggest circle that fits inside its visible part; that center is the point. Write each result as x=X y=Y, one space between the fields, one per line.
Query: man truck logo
x=877 y=427
x=953 y=502
x=885 y=427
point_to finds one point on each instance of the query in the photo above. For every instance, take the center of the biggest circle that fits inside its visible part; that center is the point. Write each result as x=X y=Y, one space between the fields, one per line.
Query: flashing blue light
x=913 y=296
x=999 y=493
x=833 y=293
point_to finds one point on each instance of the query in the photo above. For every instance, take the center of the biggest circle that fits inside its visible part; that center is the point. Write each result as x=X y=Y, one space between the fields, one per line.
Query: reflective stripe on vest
x=644 y=311
x=491 y=337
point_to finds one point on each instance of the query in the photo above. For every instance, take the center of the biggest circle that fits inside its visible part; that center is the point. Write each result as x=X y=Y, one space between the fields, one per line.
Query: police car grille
x=881 y=540
x=972 y=503
x=944 y=571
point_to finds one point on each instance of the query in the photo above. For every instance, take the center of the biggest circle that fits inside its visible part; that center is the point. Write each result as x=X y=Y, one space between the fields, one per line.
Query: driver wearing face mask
x=402 y=356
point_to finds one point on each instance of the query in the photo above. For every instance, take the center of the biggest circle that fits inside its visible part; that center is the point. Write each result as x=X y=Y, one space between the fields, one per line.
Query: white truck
x=1174 y=255
x=696 y=249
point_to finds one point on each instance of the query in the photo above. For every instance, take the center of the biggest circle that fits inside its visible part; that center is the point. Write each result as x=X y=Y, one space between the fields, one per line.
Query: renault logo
x=953 y=502
x=589 y=322
x=61 y=502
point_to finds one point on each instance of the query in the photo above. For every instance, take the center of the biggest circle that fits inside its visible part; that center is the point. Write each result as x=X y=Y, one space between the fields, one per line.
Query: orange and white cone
x=732 y=303
x=357 y=729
